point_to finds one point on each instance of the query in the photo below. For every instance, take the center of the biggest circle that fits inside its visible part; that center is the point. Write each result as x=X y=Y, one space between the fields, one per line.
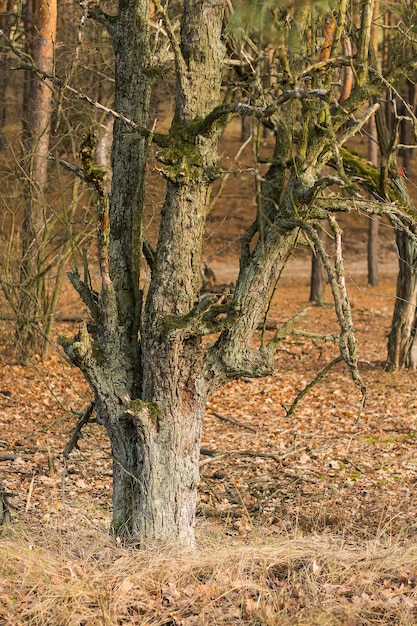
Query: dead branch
x=311 y=384
x=336 y=276
x=58 y=317
x=76 y=434
x=11 y=456
x=213 y=456
x=232 y=421
x=27 y=64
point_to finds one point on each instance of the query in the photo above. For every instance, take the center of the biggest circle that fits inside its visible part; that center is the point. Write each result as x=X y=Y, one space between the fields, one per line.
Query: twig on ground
x=261 y=455
x=30 y=492
x=11 y=456
x=232 y=421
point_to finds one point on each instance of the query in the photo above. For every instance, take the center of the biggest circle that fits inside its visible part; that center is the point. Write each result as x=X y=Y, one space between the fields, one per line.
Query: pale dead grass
x=78 y=576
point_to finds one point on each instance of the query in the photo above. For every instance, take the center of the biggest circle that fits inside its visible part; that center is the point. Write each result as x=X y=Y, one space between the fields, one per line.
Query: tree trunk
x=145 y=367
x=6 y=22
x=173 y=365
x=146 y=363
x=402 y=341
x=373 y=224
x=41 y=20
x=318 y=276
x=373 y=270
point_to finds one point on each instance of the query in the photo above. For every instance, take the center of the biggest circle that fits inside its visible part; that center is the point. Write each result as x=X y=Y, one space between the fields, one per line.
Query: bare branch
x=76 y=434
x=180 y=64
x=248 y=110
x=232 y=421
x=159 y=138
x=311 y=384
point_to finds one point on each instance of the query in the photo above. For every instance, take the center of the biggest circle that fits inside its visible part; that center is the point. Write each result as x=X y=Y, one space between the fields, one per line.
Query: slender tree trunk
x=373 y=224
x=6 y=21
x=41 y=20
x=402 y=340
x=318 y=277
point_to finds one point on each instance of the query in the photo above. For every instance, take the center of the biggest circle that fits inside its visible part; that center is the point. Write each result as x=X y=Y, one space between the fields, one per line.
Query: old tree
x=153 y=356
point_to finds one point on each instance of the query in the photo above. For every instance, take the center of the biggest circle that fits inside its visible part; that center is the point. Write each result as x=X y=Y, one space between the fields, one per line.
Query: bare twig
x=76 y=434
x=248 y=453
x=30 y=492
x=232 y=421
x=311 y=384
x=27 y=64
x=11 y=456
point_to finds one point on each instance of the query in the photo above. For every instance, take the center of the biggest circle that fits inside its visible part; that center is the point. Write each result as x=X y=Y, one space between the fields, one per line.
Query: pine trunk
x=41 y=21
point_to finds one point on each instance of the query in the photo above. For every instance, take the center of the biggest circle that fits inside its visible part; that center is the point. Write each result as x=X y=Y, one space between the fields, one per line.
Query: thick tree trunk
x=402 y=340
x=174 y=381
x=145 y=364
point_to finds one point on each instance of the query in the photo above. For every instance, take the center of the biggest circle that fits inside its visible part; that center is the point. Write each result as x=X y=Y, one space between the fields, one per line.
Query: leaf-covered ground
x=324 y=474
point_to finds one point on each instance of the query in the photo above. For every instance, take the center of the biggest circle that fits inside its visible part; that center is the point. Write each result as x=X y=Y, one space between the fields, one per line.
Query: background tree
x=40 y=28
x=397 y=114
x=373 y=226
x=60 y=210
x=7 y=18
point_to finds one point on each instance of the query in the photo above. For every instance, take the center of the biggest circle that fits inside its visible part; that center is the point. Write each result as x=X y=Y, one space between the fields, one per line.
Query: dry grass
x=77 y=576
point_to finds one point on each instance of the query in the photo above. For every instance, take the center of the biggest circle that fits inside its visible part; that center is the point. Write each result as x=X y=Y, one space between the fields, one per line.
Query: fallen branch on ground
x=261 y=455
x=232 y=421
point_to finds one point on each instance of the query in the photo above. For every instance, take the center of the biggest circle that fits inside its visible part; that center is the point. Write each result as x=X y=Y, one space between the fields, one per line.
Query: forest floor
x=309 y=518
x=302 y=519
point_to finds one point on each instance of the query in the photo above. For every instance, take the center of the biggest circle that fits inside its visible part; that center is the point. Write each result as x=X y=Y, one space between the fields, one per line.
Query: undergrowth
x=79 y=576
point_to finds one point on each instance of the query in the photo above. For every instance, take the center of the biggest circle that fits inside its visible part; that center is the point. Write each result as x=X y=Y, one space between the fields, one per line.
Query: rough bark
x=173 y=364
x=149 y=387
